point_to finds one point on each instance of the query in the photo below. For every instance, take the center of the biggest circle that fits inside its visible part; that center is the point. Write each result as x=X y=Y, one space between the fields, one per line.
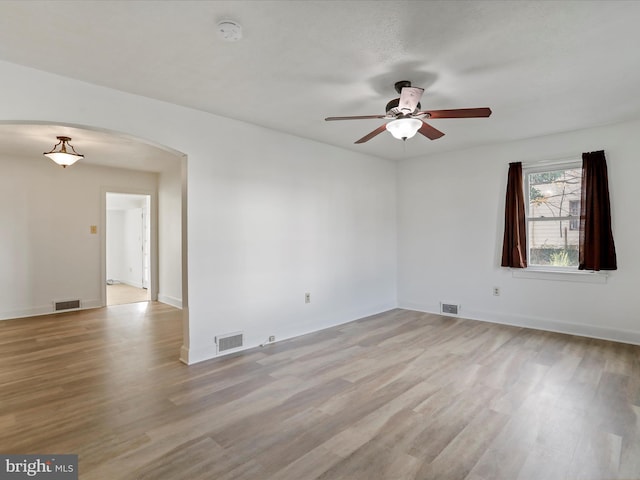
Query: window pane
x=574 y=210
x=552 y=243
x=551 y=193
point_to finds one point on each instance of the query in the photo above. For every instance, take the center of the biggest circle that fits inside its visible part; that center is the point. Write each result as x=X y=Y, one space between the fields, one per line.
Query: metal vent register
x=449 y=309
x=229 y=341
x=67 y=305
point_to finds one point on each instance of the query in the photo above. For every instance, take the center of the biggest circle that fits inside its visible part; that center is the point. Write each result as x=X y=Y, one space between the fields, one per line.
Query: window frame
x=569 y=164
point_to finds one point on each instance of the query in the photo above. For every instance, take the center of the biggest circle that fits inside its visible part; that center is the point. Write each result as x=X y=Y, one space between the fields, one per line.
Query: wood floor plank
x=398 y=395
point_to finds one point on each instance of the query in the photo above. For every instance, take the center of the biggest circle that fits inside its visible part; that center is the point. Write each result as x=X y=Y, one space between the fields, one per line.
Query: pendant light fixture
x=61 y=156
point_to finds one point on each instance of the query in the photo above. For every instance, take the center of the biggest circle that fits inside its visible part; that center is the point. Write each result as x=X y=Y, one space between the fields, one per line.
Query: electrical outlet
x=272 y=338
x=307 y=297
x=496 y=291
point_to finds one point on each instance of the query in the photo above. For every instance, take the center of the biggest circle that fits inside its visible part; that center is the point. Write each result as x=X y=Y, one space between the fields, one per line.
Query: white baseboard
x=169 y=300
x=537 y=323
x=184 y=355
x=26 y=312
x=46 y=310
x=192 y=355
x=86 y=304
x=196 y=355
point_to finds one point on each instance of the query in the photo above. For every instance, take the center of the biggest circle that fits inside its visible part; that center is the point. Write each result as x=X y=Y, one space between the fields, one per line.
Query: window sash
x=553 y=219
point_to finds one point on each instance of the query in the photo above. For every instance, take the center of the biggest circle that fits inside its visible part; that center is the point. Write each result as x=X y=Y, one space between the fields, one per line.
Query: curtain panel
x=515 y=234
x=597 y=249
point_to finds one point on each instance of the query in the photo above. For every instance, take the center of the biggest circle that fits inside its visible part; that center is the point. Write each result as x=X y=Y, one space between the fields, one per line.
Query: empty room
x=319 y=239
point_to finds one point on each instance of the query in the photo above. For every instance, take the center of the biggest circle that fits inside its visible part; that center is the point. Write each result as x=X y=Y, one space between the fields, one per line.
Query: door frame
x=153 y=245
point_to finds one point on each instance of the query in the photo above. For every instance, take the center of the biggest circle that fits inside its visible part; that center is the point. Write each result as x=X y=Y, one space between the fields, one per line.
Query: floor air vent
x=67 y=305
x=449 y=308
x=229 y=341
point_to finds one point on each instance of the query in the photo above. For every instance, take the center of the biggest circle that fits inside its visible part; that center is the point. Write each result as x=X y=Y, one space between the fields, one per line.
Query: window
x=552 y=196
x=538 y=208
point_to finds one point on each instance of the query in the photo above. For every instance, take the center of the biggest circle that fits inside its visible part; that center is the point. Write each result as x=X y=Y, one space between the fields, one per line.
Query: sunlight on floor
x=121 y=293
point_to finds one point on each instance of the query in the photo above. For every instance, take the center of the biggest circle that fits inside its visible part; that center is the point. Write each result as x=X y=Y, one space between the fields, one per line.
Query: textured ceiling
x=543 y=67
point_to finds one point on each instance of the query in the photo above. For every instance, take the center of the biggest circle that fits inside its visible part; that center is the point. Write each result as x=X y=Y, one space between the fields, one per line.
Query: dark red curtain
x=597 y=250
x=515 y=234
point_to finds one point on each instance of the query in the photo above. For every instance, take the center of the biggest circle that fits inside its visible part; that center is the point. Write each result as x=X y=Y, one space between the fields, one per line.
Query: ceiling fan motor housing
x=401 y=84
x=393 y=110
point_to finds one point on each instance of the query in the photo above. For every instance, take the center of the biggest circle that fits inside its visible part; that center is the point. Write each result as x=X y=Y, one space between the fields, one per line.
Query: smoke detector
x=229 y=31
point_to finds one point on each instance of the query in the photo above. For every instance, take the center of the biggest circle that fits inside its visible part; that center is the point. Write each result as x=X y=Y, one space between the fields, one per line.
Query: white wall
x=285 y=217
x=47 y=252
x=170 y=238
x=278 y=216
x=132 y=240
x=270 y=216
x=450 y=227
x=124 y=254
x=115 y=245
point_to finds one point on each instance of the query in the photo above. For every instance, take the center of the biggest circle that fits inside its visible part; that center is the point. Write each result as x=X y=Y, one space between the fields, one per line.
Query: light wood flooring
x=121 y=293
x=400 y=395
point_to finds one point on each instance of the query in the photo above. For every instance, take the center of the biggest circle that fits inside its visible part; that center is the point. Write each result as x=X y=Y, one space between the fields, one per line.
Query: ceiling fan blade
x=369 y=136
x=430 y=132
x=458 y=113
x=409 y=99
x=357 y=117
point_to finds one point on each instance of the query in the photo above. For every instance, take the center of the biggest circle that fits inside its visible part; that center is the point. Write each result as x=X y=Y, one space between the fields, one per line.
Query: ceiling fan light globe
x=404 y=128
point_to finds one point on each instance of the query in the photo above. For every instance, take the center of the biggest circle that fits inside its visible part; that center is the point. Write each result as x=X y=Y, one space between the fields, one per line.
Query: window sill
x=580 y=276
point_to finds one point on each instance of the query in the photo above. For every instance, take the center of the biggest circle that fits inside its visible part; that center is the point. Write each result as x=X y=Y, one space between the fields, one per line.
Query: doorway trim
x=153 y=254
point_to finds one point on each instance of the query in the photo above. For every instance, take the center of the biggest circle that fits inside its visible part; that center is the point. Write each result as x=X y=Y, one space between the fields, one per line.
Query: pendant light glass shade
x=61 y=156
x=404 y=128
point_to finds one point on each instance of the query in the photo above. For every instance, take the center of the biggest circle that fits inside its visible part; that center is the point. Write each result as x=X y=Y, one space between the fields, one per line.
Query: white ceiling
x=542 y=66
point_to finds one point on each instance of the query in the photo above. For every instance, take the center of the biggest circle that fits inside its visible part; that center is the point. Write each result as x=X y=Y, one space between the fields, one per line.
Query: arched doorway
x=56 y=251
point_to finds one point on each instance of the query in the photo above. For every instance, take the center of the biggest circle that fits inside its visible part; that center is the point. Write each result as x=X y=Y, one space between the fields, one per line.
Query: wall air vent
x=66 y=305
x=449 y=308
x=230 y=341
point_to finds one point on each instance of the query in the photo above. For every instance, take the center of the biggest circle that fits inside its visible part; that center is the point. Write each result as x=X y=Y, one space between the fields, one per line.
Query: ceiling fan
x=406 y=117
